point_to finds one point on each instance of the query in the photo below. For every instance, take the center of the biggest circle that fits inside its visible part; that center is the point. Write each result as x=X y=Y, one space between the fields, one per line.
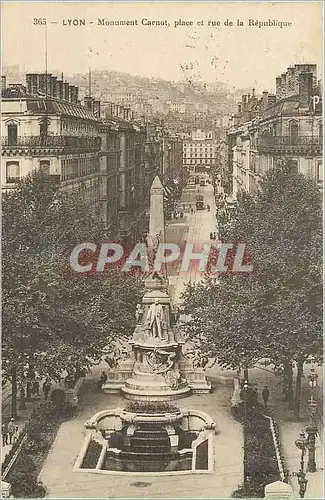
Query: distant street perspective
x=162 y=253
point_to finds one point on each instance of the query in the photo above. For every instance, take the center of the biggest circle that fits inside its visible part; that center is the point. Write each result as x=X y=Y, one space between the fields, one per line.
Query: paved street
x=199 y=226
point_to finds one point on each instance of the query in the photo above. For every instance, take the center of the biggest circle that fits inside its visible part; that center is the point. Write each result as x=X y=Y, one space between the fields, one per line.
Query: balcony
x=288 y=144
x=51 y=142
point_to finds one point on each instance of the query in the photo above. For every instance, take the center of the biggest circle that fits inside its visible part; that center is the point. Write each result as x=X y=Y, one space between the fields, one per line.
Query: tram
x=199 y=202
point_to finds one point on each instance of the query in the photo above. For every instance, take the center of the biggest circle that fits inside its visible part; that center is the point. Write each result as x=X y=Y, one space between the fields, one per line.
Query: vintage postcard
x=162 y=214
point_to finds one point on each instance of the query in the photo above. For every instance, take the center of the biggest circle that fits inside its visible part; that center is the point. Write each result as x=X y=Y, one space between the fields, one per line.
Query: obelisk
x=157 y=223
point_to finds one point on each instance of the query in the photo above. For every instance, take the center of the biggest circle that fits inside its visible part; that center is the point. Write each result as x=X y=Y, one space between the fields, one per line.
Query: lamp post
x=302 y=443
x=245 y=388
x=312 y=428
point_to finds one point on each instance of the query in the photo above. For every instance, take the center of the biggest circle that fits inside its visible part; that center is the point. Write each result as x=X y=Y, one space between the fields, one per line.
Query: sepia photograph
x=162 y=249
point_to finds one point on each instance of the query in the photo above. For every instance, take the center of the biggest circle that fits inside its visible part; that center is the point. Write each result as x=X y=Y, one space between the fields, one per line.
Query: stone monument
x=157 y=367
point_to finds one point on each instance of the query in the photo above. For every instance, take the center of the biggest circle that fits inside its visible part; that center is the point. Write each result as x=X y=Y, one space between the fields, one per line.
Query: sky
x=242 y=56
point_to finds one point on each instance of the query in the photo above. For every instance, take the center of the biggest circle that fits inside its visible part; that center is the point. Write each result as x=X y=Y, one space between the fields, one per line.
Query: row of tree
x=275 y=312
x=53 y=320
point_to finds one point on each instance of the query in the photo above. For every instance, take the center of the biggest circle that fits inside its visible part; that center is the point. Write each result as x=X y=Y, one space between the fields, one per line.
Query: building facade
x=200 y=151
x=41 y=131
x=285 y=125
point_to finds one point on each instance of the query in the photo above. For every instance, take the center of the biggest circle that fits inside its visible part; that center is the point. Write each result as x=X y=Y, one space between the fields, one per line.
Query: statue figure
x=139 y=314
x=155 y=319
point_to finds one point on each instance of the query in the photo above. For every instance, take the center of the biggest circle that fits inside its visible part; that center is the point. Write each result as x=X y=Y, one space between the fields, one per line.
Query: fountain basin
x=122 y=441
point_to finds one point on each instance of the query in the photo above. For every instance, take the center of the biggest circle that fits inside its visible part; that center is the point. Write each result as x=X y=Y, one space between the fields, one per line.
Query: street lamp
x=312 y=428
x=302 y=443
x=312 y=433
x=244 y=393
x=312 y=377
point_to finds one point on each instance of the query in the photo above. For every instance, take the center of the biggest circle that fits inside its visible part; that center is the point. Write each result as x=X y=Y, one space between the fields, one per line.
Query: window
x=12 y=134
x=45 y=166
x=293 y=130
x=12 y=172
x=294 y=165
x=319 y=171
x=43 y=126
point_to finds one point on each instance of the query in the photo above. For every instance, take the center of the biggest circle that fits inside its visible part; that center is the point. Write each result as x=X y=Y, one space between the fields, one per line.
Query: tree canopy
x=276 y=311
x=52 y=319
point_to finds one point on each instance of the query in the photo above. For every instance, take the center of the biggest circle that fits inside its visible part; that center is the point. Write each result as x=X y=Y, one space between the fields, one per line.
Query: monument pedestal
x=117 y=378
x=156 y=375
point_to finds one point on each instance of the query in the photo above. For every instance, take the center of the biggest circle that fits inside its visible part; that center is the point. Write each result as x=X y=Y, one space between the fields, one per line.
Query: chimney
x=65 y=91
x=59 y=89
x=3 y=82
x=89 y=103
x=253 y=93
x=74 y=94
x=278 y=87
x=45 y=83
x=265 y=100
x=70 y=93
x=284 y=85
x=96 y=108
x=305 y=89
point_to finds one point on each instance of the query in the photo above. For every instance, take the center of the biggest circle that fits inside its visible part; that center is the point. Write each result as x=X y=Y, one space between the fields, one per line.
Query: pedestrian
x=214 y=236
x=46 y=388
x=102 y=380
x=211 y=235
x=190 y=206
x=208 y=208
x=265 y=395
x=15 y=437
x=181 y=215
x=11 y=430
x=192 y=211
x=36 y=387
x=4 y=432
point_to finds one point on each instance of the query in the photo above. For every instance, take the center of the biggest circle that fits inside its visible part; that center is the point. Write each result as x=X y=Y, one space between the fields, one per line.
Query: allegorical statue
x=155 y=320
x=139 y=313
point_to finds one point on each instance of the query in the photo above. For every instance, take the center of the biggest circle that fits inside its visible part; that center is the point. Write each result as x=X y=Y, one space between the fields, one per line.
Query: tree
x=54 y=320
x=276 y=311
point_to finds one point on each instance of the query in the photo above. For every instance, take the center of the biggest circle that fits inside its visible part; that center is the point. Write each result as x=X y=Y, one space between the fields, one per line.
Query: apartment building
x=45 y=127
x=287 y=124
x=200 y=151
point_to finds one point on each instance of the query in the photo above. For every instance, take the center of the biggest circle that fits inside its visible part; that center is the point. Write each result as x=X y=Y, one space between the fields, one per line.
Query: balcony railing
x=289 y=141
x=52 y=141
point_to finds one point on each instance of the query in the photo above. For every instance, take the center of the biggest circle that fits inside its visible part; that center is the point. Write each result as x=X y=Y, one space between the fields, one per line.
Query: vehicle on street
x=199 y=202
